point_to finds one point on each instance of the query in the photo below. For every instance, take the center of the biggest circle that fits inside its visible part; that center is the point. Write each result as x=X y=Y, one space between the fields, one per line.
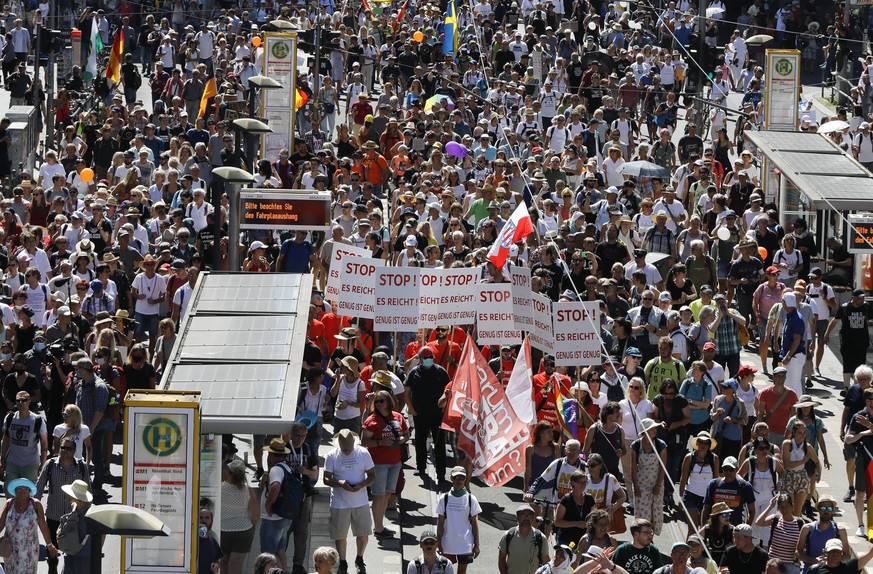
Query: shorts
x=795 y=481
x=820 y=327
x=239 y=542
x=274 y=534
x=723 y=269
x=861 y=471
x=146 y=323
x=853 y=358
x=386 y=479
x=693 y=502
x=341 y=519
x=848 y=451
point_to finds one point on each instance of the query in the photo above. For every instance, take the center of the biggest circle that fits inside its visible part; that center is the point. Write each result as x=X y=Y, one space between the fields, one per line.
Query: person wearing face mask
x=425 y=385
x=92 y=397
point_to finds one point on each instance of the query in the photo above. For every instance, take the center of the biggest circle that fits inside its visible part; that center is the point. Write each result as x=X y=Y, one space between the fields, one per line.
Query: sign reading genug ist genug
x=267 y=209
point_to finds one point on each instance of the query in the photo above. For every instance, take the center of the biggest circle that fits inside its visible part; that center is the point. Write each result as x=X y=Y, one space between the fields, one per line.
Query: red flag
x=300 y=99
x=365 y=6
x=516 y=229
x=487 y=428
x=400 y=15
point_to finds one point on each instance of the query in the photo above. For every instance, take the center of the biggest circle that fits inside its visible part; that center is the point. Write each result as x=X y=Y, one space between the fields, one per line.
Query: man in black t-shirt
x=744 y=557
x=853 y=403
x=854 y=334
x=301 y=461
x=834 y=563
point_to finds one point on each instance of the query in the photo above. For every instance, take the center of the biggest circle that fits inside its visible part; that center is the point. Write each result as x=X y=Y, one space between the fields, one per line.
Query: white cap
x=789 y=299
x=257 y=245
x=411 y=241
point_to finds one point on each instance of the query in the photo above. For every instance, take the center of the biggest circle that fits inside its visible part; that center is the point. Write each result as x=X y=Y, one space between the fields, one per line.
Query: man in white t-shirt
x=148 y=290
x=457 y=521
x=714 y=372
x=182 y=296
x=862 y=146
x=348 y=471
x=274 y=528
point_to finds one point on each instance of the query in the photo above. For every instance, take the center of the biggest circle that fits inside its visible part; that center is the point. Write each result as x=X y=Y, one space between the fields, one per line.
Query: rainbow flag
x=567 y=418
x=450 y=30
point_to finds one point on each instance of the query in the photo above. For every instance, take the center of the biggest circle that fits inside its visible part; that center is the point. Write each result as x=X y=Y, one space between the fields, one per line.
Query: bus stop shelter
x=241 y=344
x=807 y=175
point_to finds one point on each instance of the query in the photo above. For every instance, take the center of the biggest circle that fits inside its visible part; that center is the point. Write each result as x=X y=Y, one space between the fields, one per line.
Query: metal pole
x=701 y=39
x=216 y=190
x=233 y=227
x=317 y=79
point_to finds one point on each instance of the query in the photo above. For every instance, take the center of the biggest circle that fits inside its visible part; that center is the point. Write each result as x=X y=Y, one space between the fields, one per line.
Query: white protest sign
x=494 y=319
x=397 y=299
x=541 y=335
x=521 y=300
x=429 y=297
x=458 y=295
x=357 y=286
x=340 y=250
x=577 y=333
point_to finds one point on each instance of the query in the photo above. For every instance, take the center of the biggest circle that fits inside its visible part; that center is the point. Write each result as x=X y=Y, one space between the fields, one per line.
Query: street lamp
x=235 y=177
x=283 y=25
x=251 y=127
x=121 y=520
x=263 y=83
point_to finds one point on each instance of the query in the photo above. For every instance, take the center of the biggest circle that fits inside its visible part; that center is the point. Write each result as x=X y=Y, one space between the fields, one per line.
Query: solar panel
x=248 y=293
x=243 y=339
x=842 y=192
x=796 y=142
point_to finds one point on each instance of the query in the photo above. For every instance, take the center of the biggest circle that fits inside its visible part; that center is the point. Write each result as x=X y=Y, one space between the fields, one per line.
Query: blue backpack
x=291 y=494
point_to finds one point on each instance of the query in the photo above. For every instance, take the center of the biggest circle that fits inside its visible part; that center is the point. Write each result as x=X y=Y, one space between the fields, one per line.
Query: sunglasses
x=68 y=448
x=827 y=508
x=20 y=401
x=378 y=401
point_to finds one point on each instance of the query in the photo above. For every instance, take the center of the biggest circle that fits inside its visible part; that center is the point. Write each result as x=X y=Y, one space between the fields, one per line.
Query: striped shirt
x=784 y=540
x=54 y=476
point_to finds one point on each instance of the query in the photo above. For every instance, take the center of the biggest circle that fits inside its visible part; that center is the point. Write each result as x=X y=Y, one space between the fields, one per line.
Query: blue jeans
x=97 y=458
x=274 y=534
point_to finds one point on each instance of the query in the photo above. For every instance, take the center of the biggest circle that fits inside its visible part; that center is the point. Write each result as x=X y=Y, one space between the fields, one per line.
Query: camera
x=56 y=350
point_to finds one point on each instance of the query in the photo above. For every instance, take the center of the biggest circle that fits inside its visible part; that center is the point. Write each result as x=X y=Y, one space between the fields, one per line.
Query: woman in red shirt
x=383 y=433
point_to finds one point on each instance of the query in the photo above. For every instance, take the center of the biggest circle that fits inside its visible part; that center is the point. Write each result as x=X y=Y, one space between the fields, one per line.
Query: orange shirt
x=373 y=169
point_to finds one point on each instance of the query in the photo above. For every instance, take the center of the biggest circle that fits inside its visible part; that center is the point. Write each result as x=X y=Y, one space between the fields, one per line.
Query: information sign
x=860 y=233
x=271 y=210
x=161 y=476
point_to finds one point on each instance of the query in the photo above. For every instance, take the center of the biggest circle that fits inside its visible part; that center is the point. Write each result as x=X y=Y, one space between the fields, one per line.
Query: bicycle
x=547 y=519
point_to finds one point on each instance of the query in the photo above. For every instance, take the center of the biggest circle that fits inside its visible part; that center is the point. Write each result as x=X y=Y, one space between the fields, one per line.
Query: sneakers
x=808 y=383
x=817 y=372
x=360 y=567
x=861 y=532
x=384 y=533
x=343 y=567
x=850 y=495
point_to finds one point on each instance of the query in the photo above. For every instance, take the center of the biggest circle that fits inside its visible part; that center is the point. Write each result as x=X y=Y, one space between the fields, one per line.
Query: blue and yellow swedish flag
x=450 y=31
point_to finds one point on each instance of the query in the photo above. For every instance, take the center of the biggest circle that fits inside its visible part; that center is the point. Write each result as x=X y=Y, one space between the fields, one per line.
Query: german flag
x=300 y=99
x=210 y=90
x=113 y=70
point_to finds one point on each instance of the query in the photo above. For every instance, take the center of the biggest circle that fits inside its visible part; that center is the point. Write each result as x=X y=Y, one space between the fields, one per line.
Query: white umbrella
x=125 y=521
x=833 y=126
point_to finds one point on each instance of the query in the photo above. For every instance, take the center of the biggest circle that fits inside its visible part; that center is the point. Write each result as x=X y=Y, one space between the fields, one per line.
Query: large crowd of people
x=614 y=124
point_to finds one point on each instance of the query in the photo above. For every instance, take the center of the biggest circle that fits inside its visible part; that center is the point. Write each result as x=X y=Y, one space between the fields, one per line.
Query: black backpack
x=291 y=494
x=693 y=350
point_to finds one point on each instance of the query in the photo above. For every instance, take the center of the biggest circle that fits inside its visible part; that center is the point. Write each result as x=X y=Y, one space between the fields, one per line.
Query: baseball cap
x=833 y=544
x=742 y=529
x=731 y=462
x=709 y=346
x=745 y=371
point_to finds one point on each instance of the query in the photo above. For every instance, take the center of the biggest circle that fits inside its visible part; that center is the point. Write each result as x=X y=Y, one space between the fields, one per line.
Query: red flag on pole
x=487 y=428
x=517 y=228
